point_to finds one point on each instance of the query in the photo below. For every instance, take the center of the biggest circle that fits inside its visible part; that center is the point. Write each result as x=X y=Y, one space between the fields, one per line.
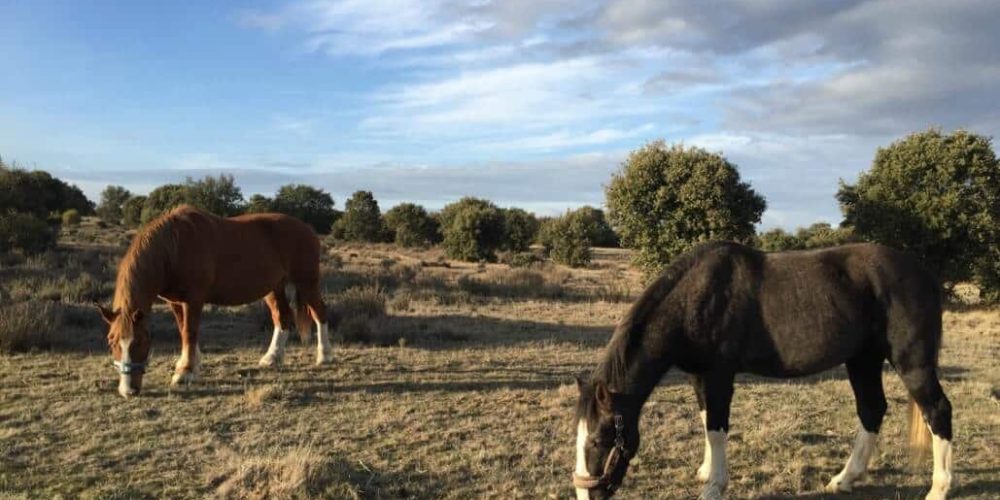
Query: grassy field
x=451 y=380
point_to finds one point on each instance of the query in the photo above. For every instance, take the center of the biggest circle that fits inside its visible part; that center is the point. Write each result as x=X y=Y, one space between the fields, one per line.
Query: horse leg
x=317 y=310
x=865 y=374
x=699 y=391
x=189 y=364
x=925 y=389
x=281 y=314
x=718 y=396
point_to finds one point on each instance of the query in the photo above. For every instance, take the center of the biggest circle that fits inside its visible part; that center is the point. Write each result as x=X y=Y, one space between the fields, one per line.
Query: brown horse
x=189 y=258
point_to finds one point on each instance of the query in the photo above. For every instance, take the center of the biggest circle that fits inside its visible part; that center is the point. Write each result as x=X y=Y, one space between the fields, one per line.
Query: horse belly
x=239 y=281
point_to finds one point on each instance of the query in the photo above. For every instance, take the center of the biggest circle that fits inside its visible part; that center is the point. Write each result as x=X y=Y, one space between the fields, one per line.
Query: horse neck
x=633 y=364
x=140 y=280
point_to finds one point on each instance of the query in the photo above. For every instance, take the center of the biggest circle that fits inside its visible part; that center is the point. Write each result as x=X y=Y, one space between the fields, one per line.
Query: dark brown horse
x=189 y=258
x=723 y=309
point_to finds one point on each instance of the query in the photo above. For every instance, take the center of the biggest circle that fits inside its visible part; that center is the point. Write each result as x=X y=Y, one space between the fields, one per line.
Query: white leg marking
x=581 y=458
x=706 y=463
x=276 y=352
x=942 y=469
x=324 y=350
x=188 y=365
x=125 y=381
x=718 y=477
x=857 y=464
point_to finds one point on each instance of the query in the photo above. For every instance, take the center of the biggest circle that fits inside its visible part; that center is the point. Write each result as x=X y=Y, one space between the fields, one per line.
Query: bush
x=473 y=229
x=113 y=199
x=25 y=232
x=566 y=240
x=306 y=203
x=28 y=325
x=219 y=195
x=259 y=204
x=411 y=226
x=665 y=199
x=938 y=196
x=39 y=194
x=777 y=240
x=71 y=217
x=599 y=232
x=520 y=229
x=161 y=200
x=362 y=219
x=132 y=211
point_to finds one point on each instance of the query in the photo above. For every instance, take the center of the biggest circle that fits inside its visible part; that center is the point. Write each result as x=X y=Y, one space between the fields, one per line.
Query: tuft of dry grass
x=29 y=325
x=302 y=472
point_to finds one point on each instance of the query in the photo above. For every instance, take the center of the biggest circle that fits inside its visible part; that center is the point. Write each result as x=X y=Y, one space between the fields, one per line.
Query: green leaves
x=665 y=199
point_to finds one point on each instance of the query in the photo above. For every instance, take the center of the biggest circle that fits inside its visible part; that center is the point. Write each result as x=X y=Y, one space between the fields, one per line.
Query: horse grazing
x=189 y=258
x=724 y=308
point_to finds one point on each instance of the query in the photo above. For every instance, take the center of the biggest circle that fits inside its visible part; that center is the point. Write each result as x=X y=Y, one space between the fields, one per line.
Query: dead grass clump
x=257 y=396
x=512 y=283
x=29 y=325
x=300 y=473
x=366 y=301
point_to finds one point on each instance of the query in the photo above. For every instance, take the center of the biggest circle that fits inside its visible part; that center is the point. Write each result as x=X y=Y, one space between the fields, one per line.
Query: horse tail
x=920 y=434
x=303 y=322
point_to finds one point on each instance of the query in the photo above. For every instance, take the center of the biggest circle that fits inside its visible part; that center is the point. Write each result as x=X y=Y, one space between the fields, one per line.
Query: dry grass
x=470 y=396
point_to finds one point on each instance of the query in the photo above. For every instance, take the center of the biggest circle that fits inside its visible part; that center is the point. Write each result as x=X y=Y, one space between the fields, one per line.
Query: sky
x=528 y=103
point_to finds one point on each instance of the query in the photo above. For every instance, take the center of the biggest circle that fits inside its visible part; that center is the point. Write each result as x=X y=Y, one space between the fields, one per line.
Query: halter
x=129 y=367
x=616 y=456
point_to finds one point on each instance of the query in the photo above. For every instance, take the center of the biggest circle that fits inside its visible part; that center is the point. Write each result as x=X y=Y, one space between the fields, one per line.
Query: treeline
x=936 y=195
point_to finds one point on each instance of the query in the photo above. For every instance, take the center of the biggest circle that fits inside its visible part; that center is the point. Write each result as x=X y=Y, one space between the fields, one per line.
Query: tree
x=598 y=231
x=665 y=199
x=162 y=199
x=822 y=234
x=520 y=229
x=113 y=198
x=938 y=196
x=132 y=211
x=567 y=241
x=411 y=226
x=473 y=229
x=311 y=205
x=259 y=204
x=777 y=240
x=362 y=219
x=219 y=195
x=39 y=193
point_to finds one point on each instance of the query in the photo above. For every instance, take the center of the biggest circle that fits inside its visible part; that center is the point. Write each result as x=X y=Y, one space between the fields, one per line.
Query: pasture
x=451 y=380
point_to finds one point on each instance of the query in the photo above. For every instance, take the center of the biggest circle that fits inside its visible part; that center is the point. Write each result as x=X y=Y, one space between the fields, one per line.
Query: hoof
x=270 y=360
x=837 y=486
x=324 y=357
x=936 y=493
x=703 y=472
x=183 y=378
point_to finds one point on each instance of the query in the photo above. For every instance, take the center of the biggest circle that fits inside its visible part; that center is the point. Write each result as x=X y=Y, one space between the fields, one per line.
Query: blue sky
x=527 y=103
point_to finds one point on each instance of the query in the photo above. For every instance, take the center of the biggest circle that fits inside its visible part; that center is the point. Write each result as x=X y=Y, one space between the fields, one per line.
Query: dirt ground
x=462 y=388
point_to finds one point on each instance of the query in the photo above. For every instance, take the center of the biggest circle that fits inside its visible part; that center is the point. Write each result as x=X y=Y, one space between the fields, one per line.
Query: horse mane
x=614 y=366
x=152 y=249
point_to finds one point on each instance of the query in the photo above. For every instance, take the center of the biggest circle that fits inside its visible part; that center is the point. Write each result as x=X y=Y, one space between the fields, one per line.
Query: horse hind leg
x=281 y=315
x=926 y=392
x=865 y=374
x=313 y=301
x=705 y=469
x=718 y=387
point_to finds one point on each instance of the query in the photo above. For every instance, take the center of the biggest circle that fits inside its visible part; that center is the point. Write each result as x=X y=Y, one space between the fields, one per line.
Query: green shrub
x=666 y=199
x=306 y=203
x=362 y=219
x=71 y=217
x=937 y=196
x=113 y=198
x=26 y=233
x=473 y=229
x=520 y=229
x=411 y=226
x=132 y=211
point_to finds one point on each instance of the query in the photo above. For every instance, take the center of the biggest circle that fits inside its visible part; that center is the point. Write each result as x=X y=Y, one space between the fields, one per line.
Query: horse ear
x=108 y=315
x=603 y=396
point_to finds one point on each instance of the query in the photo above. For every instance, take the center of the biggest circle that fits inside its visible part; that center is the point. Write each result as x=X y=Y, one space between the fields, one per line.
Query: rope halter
x=616 y=457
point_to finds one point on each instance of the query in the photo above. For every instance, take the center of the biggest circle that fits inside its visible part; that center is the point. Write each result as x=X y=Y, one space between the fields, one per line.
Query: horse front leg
x=189 y=364
x=718 y=393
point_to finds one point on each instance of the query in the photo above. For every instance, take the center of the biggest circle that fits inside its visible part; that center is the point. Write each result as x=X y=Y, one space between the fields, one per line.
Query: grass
x=459 y=393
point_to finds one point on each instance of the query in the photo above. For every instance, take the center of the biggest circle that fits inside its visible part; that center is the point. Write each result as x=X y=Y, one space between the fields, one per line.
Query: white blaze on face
x=581 y=458
x=124 y=380
x=942 y=468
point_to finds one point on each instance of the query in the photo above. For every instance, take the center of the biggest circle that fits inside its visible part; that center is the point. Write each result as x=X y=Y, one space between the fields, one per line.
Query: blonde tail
x=920 y=434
